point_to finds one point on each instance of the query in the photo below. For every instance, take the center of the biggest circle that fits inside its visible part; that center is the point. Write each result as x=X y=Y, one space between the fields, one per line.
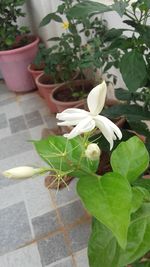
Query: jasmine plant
x=118 y=201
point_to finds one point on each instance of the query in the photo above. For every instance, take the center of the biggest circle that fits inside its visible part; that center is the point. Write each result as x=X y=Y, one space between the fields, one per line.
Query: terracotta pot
x=14 y=63
x=62 y=105
x=45 y=87
x=34 y=72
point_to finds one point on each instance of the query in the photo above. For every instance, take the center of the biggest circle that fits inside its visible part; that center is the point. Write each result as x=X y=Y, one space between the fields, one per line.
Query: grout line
x=66 y=237
x=29 y=218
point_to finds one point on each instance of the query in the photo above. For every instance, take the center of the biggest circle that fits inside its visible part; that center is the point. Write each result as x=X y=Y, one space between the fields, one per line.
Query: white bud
x=22 y=172
x=93 y=152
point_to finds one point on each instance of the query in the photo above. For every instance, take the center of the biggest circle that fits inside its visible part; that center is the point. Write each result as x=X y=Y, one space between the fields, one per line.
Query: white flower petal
x=83 y=126
x=68 y=123
x=96 y=98
x=108 y=129
x=71 y=114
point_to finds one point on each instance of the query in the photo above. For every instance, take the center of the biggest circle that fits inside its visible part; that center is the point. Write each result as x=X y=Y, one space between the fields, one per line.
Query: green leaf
x=108 y=198
x=102 y=247
x=130 y=159
x=139 y=127
x=87 y=8
x=46 y=20
x=138 y=237
x=104 y=250
x=56 y=17
x=137 y=200
x=120 y=7
x=64 y=154
x=131 y=112
x=112 y=34
x=122 y=94
x=133 y=70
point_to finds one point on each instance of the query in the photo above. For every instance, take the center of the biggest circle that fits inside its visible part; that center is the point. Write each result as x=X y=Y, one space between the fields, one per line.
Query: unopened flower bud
x=93 y=152
x=22 y=172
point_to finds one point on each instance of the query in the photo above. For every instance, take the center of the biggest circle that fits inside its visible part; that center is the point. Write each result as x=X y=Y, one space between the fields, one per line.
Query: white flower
x=22 y=172
x=93 y=152
x=86 y=121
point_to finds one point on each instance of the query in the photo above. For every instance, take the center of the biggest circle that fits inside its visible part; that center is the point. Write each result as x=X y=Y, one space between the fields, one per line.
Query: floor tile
x=3 y=121
x=45 y=224
x=15 y=144
x=72 y=212
x=52 y=249
x=14 y=225
x=66 y=262
x=12 y=109
x=82 y=258
x=17 y=124
x=37 y=197
x=23 y=257
x=36 y=132
x=33 y=119
x=7 y=101
x=65 y=196
x=79 y=236
x=5 y=132
x=10 y=195
x=50 y=121
x=32 y=104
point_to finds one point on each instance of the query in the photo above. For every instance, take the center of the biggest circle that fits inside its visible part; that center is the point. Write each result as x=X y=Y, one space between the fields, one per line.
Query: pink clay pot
x=13 y=66
x=45 y=87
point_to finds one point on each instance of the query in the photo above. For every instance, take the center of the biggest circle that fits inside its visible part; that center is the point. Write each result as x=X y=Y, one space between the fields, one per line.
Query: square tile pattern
x=39 y=228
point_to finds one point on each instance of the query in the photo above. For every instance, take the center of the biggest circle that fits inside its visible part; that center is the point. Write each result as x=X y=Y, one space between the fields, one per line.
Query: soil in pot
x=69 y=95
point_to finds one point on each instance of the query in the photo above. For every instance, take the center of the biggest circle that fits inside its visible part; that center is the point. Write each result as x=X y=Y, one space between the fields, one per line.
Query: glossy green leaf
x=64 y=154
x=103 y=248
x=120 y=7
x=133 y=70
x=138 y=237
x=87 y=8
x=131 y=112
x=140 y=195
x=122 y=94
x=130 y=159
x=108 y=198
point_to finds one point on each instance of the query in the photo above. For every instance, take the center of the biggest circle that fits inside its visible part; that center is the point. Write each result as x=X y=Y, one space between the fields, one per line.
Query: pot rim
x=45 y=85
x=20 y=49
x=32 y=70
x=63 y=103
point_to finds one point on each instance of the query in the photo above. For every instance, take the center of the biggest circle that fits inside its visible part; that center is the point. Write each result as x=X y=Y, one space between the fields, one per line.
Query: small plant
x=131 y=57
x=119 y=201
x=82 y=45
x=10 y=32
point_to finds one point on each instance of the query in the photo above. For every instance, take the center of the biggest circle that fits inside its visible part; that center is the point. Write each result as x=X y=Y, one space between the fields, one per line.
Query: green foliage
x=101 y=197
x=119 y=200
x=133 y=69
x=104 y=249
x=139 y=159
x=69 y=56
x=65 y=156
x=9 y=30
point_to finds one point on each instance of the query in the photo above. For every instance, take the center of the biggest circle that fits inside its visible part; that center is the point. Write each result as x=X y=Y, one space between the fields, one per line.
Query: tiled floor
x=37 y=227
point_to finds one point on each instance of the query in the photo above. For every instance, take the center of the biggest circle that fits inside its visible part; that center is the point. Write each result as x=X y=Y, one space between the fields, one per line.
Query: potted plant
x=70 y=55
x=17 y=49
x=37 y=66
x=120 y=232
x=133 y=61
